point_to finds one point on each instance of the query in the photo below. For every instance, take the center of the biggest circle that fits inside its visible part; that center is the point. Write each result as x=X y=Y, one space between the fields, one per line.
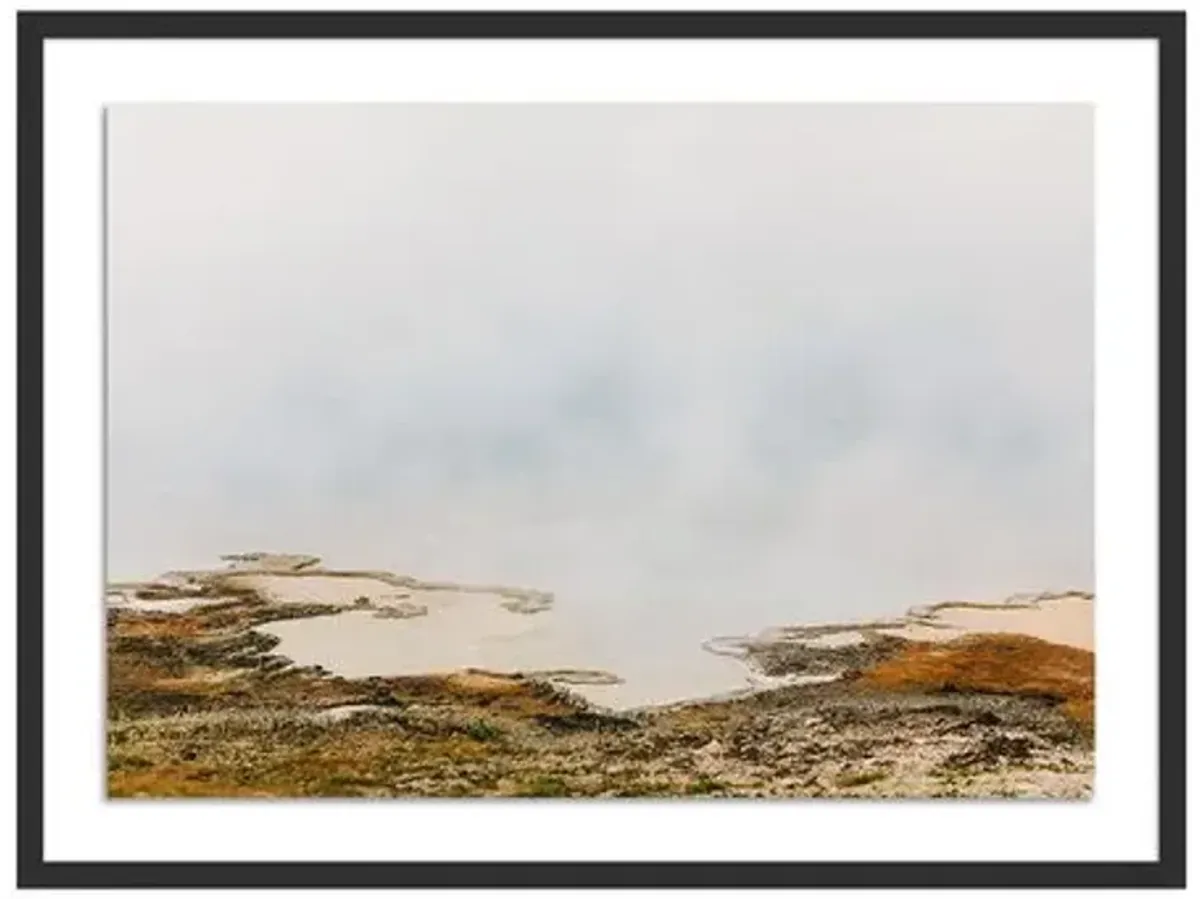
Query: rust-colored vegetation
x=172 y=781
x=199 y=705
x=994 y=663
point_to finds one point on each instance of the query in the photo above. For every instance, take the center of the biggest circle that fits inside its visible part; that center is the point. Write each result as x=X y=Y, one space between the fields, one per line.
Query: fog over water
x=697 y=369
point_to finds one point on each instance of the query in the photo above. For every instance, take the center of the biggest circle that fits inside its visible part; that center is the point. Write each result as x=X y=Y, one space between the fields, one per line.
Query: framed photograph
x=746 y=448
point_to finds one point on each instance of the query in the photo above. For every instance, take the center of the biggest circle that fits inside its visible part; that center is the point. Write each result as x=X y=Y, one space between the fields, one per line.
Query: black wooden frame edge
x=1172 y=431
x=597 y=24
x=599 y=875
x=1168 y=28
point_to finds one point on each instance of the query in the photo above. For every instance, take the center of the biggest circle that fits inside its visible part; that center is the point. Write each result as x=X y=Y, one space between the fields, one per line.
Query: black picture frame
x=1166 y=28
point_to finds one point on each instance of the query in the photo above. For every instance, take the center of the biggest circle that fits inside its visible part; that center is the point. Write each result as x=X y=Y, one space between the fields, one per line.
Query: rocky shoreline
x=199 y=704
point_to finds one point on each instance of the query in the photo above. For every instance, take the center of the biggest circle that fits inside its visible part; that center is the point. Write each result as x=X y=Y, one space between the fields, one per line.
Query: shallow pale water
x=465 y=630
x=611 y=653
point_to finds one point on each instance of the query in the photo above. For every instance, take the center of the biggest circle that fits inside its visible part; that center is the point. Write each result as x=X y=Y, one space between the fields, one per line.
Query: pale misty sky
x=747 y=365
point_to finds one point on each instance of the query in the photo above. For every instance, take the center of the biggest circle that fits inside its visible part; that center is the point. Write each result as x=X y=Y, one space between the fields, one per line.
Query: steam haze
x=730 y=365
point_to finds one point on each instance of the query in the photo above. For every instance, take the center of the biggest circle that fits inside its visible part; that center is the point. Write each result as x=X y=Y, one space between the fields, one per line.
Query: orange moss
x=507 y=693
x=198 y=680
x=462 y=683
x=994 y=663
x=175 y=780
x=479 y=683
x=173 y=626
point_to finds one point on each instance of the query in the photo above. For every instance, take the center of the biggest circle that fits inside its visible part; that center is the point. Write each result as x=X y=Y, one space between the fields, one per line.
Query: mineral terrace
x=950 y=700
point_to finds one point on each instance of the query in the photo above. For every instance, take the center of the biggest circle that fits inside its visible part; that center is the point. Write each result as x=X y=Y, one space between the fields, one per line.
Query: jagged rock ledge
x=920 y=706
x=263 y=574
x=831 y=649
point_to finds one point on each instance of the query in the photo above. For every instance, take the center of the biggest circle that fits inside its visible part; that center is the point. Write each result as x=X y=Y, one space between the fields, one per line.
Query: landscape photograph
x=634 y=451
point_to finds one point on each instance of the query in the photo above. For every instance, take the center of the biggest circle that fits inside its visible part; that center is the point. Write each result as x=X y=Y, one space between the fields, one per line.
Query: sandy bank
x=387 y=624
x=1064 y=618
x=208 y=700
